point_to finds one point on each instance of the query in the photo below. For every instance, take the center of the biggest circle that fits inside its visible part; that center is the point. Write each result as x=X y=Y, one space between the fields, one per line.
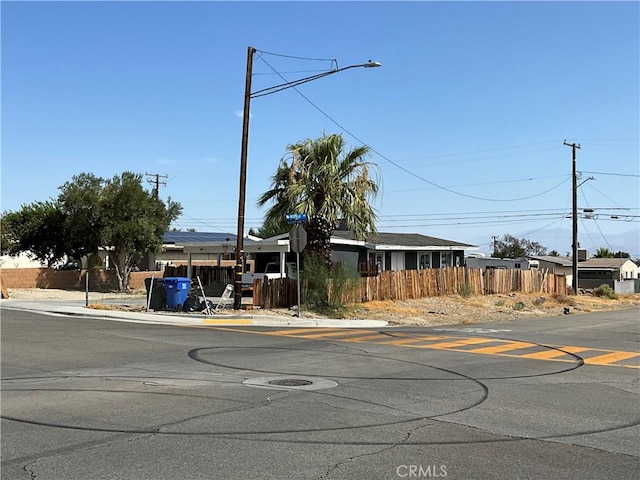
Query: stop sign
x=298 y=238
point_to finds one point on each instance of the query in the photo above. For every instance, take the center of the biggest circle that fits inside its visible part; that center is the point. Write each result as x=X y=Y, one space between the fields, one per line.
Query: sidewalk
x=224 y=318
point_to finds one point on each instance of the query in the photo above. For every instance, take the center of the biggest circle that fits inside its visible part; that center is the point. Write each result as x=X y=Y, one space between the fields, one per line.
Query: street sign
x=298 y=238
x=296 y=218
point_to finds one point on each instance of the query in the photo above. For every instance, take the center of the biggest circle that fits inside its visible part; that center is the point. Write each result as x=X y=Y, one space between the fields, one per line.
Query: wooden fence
x=413 y=284
x=213 y=278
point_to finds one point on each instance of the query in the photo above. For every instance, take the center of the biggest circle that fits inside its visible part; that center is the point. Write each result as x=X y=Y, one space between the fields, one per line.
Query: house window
x=425 y=261
x=518 y=265
x=446 y=259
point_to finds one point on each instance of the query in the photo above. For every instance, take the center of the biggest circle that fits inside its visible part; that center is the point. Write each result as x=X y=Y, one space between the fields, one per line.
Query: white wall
x=21 y=261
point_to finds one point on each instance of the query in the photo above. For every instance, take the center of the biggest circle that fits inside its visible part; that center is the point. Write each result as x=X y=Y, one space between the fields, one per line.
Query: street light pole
x=239 y=267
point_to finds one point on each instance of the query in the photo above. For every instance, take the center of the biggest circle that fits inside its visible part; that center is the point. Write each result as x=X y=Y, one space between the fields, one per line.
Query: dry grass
x=456 y=309
x=126 y=308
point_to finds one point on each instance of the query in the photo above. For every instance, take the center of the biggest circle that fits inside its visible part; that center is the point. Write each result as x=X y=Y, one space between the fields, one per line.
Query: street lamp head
x=371 y=64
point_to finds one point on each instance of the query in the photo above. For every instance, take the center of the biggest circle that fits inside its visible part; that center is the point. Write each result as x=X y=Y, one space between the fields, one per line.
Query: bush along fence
x=413 y=284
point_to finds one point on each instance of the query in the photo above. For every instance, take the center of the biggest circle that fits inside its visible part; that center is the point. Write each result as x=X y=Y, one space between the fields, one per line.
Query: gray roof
x=563 y=261
x=596 y=263
x=397 y=239
x=403 y=239
x=591 y=263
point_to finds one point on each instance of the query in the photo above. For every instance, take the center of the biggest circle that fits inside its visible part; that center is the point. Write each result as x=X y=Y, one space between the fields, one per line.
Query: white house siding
x=629 y=270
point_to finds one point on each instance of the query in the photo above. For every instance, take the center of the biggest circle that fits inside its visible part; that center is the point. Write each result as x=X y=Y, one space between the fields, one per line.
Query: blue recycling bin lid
x=182 y=282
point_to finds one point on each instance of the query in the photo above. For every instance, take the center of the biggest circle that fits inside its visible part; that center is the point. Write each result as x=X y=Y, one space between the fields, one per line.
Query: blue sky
x=466 y=117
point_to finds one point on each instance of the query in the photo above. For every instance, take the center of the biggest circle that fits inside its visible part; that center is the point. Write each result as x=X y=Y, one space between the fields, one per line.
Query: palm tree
x=603 y=253
x=329 y=184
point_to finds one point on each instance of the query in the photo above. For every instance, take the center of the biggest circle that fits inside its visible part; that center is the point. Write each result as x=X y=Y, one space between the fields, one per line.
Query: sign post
x=297 y=240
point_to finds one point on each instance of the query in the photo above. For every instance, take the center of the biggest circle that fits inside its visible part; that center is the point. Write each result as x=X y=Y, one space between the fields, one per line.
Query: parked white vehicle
x=271 y=271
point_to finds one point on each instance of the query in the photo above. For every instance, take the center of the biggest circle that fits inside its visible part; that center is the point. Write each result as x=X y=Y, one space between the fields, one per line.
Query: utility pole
x=157 y=182
x=494 y=240
x=239 y=268
x=574 y=216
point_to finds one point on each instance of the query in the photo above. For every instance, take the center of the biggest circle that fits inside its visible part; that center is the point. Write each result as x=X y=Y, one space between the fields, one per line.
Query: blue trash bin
x=177 y=291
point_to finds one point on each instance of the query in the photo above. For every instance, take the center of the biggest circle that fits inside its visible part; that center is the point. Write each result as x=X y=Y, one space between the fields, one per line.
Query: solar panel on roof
x=198 y=237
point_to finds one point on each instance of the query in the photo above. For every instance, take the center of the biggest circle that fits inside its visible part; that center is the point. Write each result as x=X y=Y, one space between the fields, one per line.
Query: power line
x=474 y=197
x=613 y=174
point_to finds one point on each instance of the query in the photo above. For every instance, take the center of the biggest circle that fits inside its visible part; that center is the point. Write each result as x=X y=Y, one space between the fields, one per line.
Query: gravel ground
x=430 y=311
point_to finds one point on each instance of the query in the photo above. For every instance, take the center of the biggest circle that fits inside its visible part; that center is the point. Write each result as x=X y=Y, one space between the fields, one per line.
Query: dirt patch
x=55 y=294
x=490 y=308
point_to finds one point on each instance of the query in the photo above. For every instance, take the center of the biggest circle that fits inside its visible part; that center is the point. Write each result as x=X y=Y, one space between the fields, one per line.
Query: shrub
x=500 y=303
x=519 y=305
x=326 y=288
x=538 y=301
x=465 y=290
x=562 y=299
x=605 y=291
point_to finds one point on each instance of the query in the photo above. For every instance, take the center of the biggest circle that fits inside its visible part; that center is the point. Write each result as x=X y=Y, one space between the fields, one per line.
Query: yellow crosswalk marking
x=342 y=333
x=460 y=342
x=502 y=348
x=211 y=321
x=609 y=358
x=365 y=338
x=295 y=331
x=454 y=343
x=402 y=341
x=548 y=354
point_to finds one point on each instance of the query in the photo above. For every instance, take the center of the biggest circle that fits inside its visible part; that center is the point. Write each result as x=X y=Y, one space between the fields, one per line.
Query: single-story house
x=380 y=251
x=592 y=272
x=598 y=271
x=396 y=251
x=211 y=248
x=488 y=263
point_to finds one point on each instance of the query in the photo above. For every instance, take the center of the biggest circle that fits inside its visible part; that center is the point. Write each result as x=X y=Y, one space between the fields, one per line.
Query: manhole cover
x=282 y=382
x=290 y=382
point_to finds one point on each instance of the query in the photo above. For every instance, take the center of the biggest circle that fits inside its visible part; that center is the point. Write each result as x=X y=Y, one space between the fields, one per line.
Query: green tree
x=512 y=247
x=328 y=183
x=134 y=222
x=603 y=253
x=90 y=213
x=554 y=253
x=270 y=229
x=38 y=230
x=606 y=253
x=80 y=200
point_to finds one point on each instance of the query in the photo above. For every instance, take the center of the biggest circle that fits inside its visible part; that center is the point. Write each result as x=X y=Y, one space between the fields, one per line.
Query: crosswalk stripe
x=505 y=348
x=460 y=342
x=295 y=331
x=548 y=354
x=402 y=341
x=343 y=333
x=502 y=348
x=610 y=358
x=365 y=338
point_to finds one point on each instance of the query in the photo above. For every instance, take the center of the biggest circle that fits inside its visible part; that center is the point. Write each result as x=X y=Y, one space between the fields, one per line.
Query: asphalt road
x=540 y=399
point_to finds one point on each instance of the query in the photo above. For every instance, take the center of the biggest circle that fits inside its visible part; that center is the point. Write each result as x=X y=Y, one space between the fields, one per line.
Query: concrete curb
x=185 y=319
